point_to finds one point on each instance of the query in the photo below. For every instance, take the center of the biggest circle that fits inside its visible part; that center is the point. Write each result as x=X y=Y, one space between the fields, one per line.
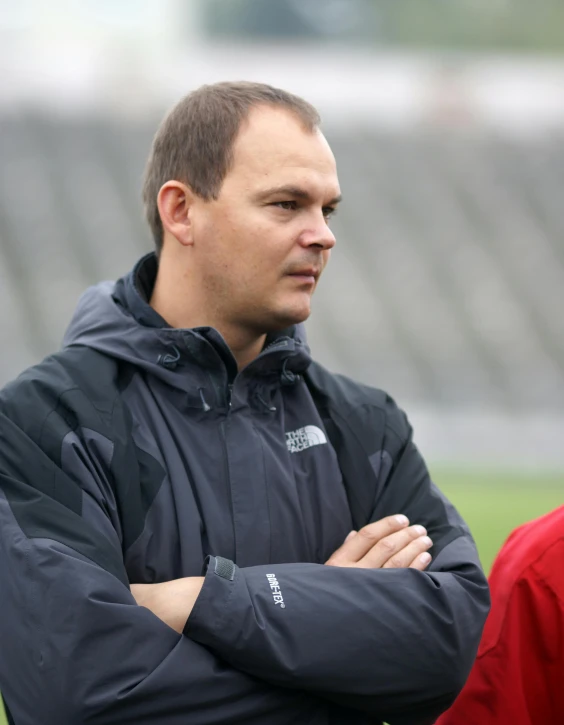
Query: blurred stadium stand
x=445 y=285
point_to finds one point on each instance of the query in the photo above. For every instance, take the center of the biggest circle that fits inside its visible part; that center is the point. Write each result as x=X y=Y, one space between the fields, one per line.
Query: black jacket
x=139 y=454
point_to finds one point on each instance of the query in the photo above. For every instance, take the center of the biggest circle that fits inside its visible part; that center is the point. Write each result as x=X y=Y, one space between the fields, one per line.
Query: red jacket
x=518 y=676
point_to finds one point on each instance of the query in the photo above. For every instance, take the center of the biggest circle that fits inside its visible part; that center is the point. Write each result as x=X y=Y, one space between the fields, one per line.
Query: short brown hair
x=194 y=143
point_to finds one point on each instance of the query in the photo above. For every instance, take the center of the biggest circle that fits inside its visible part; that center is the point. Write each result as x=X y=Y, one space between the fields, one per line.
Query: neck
x=190 y=308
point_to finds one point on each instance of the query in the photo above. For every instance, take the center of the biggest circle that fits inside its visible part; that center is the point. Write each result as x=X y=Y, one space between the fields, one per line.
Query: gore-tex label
x=275 y=589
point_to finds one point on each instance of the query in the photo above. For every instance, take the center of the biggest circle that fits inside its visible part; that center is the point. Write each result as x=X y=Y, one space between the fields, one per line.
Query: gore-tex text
x=275 y=588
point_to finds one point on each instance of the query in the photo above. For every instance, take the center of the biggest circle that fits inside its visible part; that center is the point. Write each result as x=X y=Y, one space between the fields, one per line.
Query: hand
x=386 y=544
x=170 y=601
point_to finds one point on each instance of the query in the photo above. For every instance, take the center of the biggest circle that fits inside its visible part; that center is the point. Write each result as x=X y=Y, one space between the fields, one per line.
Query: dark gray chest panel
x=255 y=484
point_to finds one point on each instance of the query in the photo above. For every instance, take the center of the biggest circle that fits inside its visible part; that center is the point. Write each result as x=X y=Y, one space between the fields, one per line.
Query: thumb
x=349 y=536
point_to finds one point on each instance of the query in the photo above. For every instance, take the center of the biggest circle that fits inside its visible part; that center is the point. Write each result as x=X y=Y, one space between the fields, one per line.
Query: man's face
x=262 y=245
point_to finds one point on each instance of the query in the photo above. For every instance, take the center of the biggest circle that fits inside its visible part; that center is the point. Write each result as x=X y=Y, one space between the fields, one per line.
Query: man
x=199 y=524
x=517 y=676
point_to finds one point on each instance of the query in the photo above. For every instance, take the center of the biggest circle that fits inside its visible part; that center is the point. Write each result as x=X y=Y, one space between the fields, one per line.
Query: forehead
x=274 y=147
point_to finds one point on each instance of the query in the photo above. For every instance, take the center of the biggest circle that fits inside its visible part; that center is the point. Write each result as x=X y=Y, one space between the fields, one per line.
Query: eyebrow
x=295 y=191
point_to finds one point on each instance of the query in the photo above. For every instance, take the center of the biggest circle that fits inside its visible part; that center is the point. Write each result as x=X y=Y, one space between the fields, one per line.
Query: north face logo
x=298 y=440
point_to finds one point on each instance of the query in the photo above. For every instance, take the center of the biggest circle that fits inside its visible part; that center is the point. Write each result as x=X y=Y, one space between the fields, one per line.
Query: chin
x=279 y=319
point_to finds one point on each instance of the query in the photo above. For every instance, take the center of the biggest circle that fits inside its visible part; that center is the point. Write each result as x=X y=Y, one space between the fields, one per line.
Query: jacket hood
x=116 y=319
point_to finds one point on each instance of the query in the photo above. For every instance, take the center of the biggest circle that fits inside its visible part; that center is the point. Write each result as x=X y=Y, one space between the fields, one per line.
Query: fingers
x=358 y=545
x=421 y=562
x=387 y=543
x=409 y=555
x=397 y=550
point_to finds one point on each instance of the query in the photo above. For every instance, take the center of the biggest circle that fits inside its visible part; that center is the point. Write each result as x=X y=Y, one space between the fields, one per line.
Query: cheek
x=220 y=249
x=263 y=255
x=245 y=251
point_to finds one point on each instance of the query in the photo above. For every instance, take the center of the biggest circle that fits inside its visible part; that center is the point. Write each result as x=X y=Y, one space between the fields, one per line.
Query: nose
x=319 y=236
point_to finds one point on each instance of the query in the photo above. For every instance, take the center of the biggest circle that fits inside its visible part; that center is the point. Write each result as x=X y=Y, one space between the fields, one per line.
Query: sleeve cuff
x=211 y=607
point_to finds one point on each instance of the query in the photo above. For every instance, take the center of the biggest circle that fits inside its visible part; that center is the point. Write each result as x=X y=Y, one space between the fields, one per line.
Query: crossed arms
x=386 y=544
x=375 y=634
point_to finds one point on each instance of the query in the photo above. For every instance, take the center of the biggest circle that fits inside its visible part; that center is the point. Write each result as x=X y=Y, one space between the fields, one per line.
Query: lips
x=308 y=275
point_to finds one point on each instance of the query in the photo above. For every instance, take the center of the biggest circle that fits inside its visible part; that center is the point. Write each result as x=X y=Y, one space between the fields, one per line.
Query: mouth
x=308 y=275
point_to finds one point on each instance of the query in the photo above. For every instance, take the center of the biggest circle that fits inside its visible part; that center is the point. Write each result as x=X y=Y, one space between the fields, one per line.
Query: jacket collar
x=285 y=353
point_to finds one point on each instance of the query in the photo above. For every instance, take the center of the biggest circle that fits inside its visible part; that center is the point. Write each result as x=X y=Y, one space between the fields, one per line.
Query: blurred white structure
x=124 y=56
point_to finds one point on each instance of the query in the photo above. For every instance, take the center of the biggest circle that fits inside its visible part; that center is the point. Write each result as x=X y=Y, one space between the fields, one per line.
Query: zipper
x=280 y=343
x=224 y=430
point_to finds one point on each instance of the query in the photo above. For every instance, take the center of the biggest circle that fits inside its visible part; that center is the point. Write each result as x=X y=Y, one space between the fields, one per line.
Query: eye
x=329 y=211
x=287 y=205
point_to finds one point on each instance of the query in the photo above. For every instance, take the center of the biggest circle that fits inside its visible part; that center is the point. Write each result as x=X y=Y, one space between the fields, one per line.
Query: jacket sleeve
x=398 y=644
x=75 y=646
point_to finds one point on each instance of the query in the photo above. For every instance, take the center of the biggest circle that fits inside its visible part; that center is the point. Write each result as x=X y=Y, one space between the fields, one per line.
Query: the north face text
x=302 y=438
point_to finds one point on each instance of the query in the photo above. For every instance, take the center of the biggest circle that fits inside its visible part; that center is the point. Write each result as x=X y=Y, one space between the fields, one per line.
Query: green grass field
x=493 y=504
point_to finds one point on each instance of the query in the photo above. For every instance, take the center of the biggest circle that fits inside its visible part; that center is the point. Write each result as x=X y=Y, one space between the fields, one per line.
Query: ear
x=174 y=202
